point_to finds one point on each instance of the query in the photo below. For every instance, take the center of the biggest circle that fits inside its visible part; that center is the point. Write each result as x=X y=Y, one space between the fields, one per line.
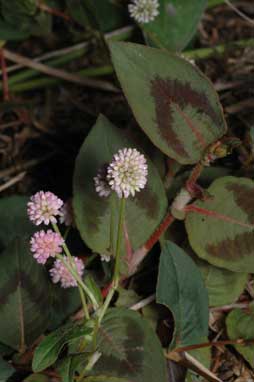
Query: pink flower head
x=66 y=214
x=45 y=245
x=60 y=273
x=43 y=207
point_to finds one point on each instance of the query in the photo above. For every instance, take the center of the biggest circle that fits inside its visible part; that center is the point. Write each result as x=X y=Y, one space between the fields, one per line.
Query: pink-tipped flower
x=66 y=214
x=59 y=273
x=127 y=173
x=44 y=207
x=101 y=183
x=46 y=244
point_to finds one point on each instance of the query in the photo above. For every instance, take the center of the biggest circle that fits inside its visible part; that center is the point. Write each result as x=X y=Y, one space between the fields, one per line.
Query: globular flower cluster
x=45 y=244
x=144 y=11
x=44 y=207
x=60 y=273
x=126 y=174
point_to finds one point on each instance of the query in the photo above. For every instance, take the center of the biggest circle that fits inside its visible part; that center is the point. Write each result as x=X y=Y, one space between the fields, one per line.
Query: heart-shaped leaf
x=130 y=350
x=24 y=287
x=176 y=23
x=94 y=213
x=240 y=325
x=173 y=102
x=180 y=288
x=24 y=296
x=221 y=228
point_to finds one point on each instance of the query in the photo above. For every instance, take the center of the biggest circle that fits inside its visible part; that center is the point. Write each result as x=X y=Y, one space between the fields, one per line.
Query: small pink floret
x=43 y=207
x=59 y=273
x=46 y=244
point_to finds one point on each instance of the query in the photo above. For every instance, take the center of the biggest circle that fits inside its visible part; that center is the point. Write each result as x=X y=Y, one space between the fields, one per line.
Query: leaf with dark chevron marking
x=173 y=102
x=144 y=212
x=25 y=300
x=24 y=296
x=130 y=349
x=221 y=229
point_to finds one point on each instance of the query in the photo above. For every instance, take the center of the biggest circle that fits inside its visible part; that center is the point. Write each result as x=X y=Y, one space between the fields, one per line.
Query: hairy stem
x=116 y=275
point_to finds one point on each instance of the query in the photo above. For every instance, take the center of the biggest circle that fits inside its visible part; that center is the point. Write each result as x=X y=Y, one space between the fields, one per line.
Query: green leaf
x=130 y=350
x=7 y=32
x=78 y=12
x=223 y=286
x=240 y=325
x=94 y=288
x=103 y=14
x=108 y=14
x=24 y=296
x=65 y=370
x=14 y=221
x=173 y=102
x=93 y=213
x=176 y=23
x=48 y=350
x=24 y=286
x=64 y=303
x=6 y=370
x=180 y=287
x=222 y=230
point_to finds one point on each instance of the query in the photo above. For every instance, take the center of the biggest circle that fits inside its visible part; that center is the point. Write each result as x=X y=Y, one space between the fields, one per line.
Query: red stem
x=215 y=343
x=168 y=220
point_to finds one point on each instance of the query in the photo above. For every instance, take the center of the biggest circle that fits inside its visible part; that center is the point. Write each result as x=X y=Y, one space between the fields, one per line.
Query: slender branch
x=12 y=181
x=192 y=363
x=203 y=53
x=239 y=341
x=227 y=308
x=58 y=73
x=141 y=304
x=237 y=11
x=55 y=12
